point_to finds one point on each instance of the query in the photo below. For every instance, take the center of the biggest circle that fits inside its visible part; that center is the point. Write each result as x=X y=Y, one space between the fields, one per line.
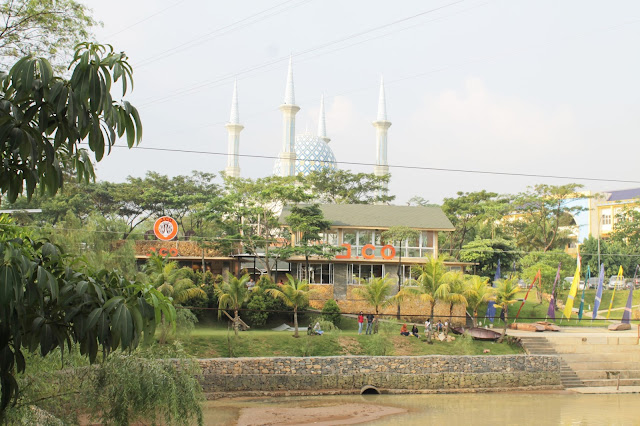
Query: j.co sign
x=387 y=252
x=165 y=228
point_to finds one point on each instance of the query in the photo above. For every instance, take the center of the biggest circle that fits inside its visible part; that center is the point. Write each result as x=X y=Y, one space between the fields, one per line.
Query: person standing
x=427 y=326
x=369 y=324
x=360 y=322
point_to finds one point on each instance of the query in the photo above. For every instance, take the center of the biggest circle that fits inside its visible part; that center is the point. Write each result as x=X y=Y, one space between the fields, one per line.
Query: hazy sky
x=534 y=87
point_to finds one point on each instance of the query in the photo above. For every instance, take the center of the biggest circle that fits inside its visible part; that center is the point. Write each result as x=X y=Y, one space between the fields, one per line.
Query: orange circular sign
x=165 y=228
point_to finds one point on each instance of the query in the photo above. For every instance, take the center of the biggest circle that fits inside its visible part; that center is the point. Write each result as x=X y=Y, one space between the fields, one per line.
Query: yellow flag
x=573 y=291
x=620 y=279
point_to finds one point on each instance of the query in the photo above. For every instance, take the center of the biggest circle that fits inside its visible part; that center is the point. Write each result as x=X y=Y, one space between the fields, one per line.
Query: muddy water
x=463 y=409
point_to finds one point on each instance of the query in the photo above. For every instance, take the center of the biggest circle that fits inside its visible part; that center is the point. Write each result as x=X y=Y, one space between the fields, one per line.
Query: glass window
x=365 y=237
x=427 y=239
x=349 y=237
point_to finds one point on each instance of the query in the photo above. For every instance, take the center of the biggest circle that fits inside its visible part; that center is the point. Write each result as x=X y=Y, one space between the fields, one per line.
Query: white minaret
x=289 y=110
x=322 y=125
x=234 y=128
x=382 y=126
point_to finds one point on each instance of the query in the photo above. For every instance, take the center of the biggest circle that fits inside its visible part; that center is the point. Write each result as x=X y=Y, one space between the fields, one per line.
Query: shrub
x=256 y=315
x=331 y=312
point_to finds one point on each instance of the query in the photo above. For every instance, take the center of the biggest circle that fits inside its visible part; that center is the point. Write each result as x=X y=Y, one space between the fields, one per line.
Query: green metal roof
x=382 y=216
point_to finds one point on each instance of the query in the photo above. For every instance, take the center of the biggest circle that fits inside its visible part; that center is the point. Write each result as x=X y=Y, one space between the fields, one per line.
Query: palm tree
x=376 y=293
x=452 y=291
x=433 y=274
x=231 y=294
x=505 y=296
x=478 y=292
x=177 y=283
x=294 y=293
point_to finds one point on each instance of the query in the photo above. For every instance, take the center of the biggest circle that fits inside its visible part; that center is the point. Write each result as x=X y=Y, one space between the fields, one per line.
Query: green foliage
x=45 y=303
x=626 y=231
x=331 y=312
x=231 y=294
x=468 y=213
x=547 y=264
x=544 y=215
x=344 y=187
x=380 y=343
x=376 y=293
x=295 y=294
x=129 y=388
x=43 y=118
x=464 y=344
x=613 y=254
x=257 y=305
x=47 y=28
x=487 y=252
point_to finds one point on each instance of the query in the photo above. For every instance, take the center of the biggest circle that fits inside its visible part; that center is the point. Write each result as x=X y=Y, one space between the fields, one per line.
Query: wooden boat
x=526 y=326
x=548 y=326
x=477 y=333
x=620 y=327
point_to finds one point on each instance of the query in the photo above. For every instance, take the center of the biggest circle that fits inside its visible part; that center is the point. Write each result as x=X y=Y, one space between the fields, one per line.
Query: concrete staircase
x=597 y=360
x=538 y=345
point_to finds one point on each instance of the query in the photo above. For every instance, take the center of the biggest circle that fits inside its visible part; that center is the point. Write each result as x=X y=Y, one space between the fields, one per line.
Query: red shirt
x=360 y=318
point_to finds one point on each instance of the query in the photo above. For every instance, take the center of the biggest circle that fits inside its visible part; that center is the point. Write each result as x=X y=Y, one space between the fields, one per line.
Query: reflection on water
x=459 y=409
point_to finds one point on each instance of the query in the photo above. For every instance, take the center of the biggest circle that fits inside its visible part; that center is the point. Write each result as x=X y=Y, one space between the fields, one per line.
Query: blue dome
x=312 y=154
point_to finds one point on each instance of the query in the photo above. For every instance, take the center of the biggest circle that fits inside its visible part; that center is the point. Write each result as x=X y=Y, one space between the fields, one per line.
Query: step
x=604 y=365
x=600 y=357
x=611 y=382
x=563 y=339
x=590 y=349
x=602 y=374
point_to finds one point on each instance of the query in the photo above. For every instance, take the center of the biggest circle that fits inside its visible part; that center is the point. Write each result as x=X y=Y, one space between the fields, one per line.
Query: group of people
x=370 y=318
x=405 y=332
x=315 y=330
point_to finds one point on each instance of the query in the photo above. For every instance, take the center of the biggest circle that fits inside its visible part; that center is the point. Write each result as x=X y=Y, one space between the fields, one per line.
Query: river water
x=452 y=409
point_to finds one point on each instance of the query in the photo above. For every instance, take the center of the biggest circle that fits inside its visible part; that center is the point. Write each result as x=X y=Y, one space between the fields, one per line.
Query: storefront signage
x=387 y=252
x=165 y=228
x=164 y=251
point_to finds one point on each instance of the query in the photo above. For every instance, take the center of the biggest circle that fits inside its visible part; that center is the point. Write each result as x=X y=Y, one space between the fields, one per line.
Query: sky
x=536 y=87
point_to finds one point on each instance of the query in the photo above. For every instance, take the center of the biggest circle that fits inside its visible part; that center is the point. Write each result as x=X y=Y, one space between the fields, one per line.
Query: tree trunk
x=295 y=321
x=433 y=306
x=446 y=329
x=475 y=317
x=235 y=322
x=306 y=261
x=504 y=328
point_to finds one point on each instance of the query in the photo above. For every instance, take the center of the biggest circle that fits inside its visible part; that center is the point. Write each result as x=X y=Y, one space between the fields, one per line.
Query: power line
x=145 y=19
x=395 y=166
x=219 y=32
x=303 y=52
x=57 y=230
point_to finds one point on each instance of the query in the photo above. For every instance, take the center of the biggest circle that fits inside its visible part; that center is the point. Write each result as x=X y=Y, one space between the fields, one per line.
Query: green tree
x=295 y=294
x=334 y=186
x=174 y=282
x=506 y=295
x=477 y=293
x=376 y=293
x=547 y=264
x=399 y=235
x=46 y=302
x=47 y=28
x=43 y=118
x=467 y=212
x=543 y=216
x=306 y=224
x=246 y=213
x=432 y=275
x=331 y=312
x=487 y=252
x=232 y=293
x=626 y=228
x=453 y=291
x=613 y=253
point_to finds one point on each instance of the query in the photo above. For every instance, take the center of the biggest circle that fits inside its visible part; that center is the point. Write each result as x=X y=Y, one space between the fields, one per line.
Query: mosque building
x=305 y=152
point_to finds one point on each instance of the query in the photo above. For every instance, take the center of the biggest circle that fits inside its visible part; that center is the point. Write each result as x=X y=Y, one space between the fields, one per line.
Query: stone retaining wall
x=350 y=373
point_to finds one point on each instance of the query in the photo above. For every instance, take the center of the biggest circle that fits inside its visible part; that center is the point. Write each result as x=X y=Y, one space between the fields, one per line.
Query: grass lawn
x=214 y=340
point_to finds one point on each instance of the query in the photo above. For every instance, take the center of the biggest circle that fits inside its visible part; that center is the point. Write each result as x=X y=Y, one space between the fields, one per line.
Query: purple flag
x=596 y=303
x=551 y=313
x=626 y=315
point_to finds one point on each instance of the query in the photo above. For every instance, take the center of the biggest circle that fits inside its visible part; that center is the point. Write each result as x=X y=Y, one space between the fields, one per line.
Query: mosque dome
x=312 y=154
